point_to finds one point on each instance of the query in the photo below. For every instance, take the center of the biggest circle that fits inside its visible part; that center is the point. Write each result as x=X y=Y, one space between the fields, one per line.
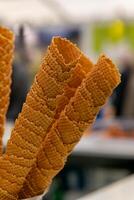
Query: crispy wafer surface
x=67 y=130
x=52 y=89
x=6 y=56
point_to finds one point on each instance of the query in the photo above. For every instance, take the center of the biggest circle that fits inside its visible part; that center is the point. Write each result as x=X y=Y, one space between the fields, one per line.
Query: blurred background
x=106 y=152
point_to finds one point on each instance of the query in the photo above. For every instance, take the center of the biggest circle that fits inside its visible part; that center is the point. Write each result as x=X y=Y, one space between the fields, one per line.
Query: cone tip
x=109 y=63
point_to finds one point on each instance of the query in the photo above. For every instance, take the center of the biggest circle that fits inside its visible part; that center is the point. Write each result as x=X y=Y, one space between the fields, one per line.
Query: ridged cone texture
x=60 y=74
x=67 y=130
x=63 y=101
x=6 y=56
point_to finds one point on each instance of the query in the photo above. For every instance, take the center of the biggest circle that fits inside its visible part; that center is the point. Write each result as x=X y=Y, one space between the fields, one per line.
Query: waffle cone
x=33 y=122
x=6 y=56
x=67 y=130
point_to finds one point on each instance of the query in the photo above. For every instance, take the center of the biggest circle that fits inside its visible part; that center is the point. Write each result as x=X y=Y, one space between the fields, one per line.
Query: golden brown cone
x=68 y=129
x=6 y=56
x=5 y=196
x=40 y=111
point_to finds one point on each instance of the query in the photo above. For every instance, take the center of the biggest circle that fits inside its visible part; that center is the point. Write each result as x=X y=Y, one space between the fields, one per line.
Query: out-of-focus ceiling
x=61 y=11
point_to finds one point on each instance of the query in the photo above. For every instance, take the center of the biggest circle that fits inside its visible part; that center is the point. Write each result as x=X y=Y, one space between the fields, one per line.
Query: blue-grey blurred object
x=45 y=35
x=20 y=77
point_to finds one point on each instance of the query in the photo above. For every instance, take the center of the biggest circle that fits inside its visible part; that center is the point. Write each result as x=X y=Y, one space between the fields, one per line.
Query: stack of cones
x=68 y=128
x=63 y=101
